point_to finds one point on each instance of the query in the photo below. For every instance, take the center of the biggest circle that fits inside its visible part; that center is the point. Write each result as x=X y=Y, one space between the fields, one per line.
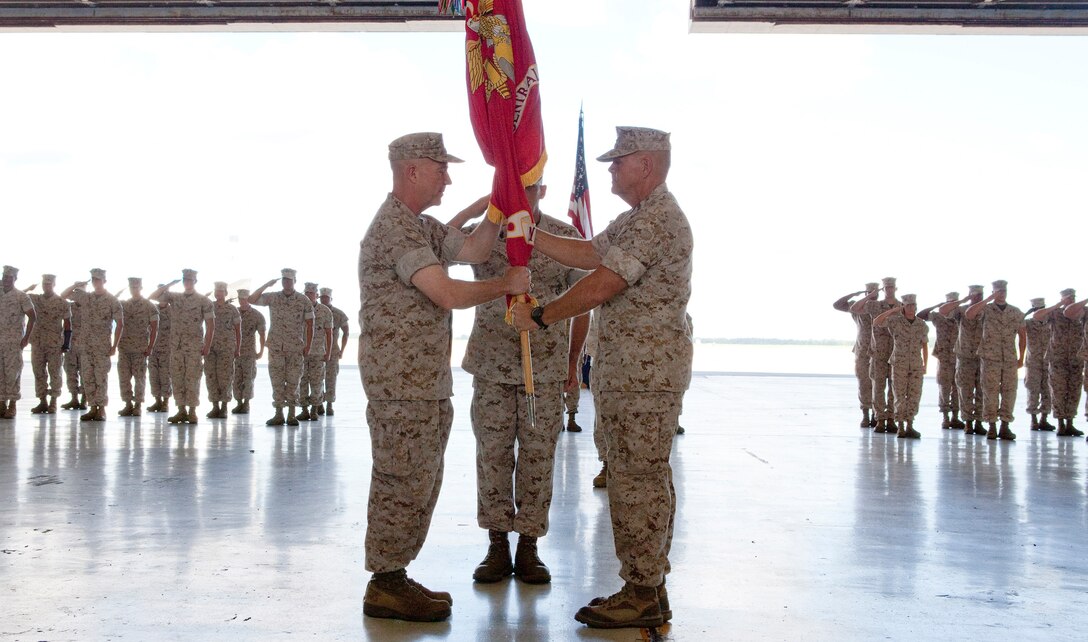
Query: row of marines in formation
x=981 y=343
x=184 y=336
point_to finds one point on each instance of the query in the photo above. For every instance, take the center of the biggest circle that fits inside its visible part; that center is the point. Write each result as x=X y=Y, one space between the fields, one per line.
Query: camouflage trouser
x=880 y=374
x=313 y=381
x=570 y=399
x=132 y=365
x=185 y=368
x=245 y=373
x=862 y=362
x=639 y=429
x=1037 y=381
x=158 y=372
x=11 y=371
x=219 y=374
x=285 y=372
x=1066 y=380
x=408 y=446
x=46 y=363
x=332 y=370
x=598 y=433
x=968 y=385
x=514 y=461
x=72 y=371
x=998 y=390
x=907 y=384
x=1085 y=375
x=947 y=399
x=95 y=367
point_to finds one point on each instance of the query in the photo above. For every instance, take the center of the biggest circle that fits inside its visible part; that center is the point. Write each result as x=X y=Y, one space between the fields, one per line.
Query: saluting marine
x=47 y=344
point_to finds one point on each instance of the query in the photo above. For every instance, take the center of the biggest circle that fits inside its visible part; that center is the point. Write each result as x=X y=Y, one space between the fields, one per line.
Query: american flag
x=578 y=211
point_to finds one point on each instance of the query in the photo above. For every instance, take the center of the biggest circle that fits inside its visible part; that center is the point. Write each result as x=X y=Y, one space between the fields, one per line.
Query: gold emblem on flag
x=495 y=30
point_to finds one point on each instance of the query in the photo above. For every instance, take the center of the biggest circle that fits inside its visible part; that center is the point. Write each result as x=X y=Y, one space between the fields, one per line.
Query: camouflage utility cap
x=872 y=287
x=49 y=278
x=289 y=273
x=421 y=145
x=974 y=289
x=310 y=287
x=188 y=275
x=952 y=296
x=637 y=139
x=325 y=291
x=1000 y=285
x=1069 y=292
x=888 y=282
x=910 y=299
x=98 y=273
x=1039 y=302
x=220 y=286
x=135 y=282
x=13 y=272
x=243 y=293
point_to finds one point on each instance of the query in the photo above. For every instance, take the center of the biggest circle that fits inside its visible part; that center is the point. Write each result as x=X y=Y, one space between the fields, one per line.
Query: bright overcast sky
x=807 y=165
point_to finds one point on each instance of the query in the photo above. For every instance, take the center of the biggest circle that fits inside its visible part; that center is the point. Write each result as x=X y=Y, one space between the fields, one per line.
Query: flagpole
x=527 y=374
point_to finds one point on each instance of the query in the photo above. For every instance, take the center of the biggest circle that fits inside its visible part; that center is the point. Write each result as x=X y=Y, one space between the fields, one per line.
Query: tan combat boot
x=291 y=419
x=632 y=607
x=527 y=565
x=572 y=425
x=1005 y=433
x=991 y=434
x=40 y=408
x=277 y=419
x=190 y=417
x=52 y=408
x=497 y=564
x=328 y=409
x=304 y=415
x=392 y=595
x=313 y=412
x=601 y=480
x=126 y=411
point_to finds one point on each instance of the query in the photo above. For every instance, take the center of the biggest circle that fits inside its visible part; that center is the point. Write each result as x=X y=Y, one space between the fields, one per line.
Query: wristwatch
x=538 y=315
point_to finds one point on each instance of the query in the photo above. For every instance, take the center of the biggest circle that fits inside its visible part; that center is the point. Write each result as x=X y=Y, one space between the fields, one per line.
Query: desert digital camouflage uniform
x=99 y=314
x=131 y=362
x=968 y=381
x=880 y=369
x=158 y=364
x=944 y=350
x=332 y=367
x=73 y=374
x=1066 y=366
x=998 y=355
x=1037 y=366
x=286 y=341
x=14 y=305
x=640 y=375
x=404 y=357
x=514 y=461
x=908 y=337
x=313 y=367
x=1083 y=354
x=245 y=367
x=863 y=358
x=219 y=364
x=46 y=342
x=188 y=312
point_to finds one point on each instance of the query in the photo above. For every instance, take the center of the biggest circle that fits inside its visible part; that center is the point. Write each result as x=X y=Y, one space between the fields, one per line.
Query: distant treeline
x=752 y=341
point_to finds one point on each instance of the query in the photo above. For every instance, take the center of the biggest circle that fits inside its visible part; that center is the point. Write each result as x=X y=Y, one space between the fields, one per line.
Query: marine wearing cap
x=637 y=139
x=421 y=145
x=13 y=272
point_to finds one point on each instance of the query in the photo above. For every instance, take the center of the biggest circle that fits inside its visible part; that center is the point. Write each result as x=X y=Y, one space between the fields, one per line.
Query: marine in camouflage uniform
x=909 y=359
x=1037 y=367
x=968 y=381
x=226 y=346
x=192 y=331
x=313 y=367
x=73 y=375
x=1002 y=329
x=340 y=332
x=862 y=349
x=1066 y=366
x=515 y=460
x=292 y=330
x=880 y=369
x=14 y=305
x=47 y=344
x=245 y=367
x=641 y=266
x=101 y=313
x=404 y=356
x=137 y=344
x=158 y=364
x=944 y=349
